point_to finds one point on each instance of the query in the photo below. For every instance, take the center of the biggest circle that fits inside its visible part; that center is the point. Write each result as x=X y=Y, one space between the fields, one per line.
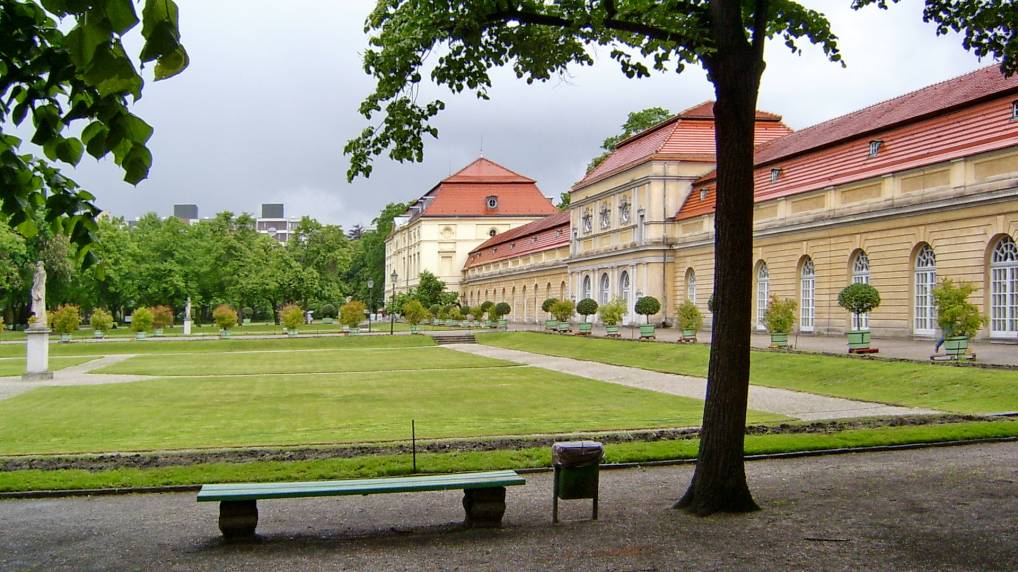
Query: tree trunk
x=719 y=480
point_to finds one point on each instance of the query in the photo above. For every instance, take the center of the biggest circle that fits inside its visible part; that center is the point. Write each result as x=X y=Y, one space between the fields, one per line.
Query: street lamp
x=392 y=313
x=371 y=302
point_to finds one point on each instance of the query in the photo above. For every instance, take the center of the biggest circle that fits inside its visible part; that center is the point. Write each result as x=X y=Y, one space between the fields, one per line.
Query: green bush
x=224 y=316
x=502 y=309
x=414 y=312
x=859 y=298
x=689 y=316
x=586 y=307
x=292 y=316
x=648 y=306
x=455 y=313
x=780 y=315
x=955 y=314
x=443 y=313
x=352 y=313
x=563 y=310
x=328 y=311
x=486 y=305
x=436 y=310
x=547 y=304
x=476 y=313
x=611 y=313
x=162 y=316
x=65 y=319
x=141 y=320
x=247 y=312
x=101 y=320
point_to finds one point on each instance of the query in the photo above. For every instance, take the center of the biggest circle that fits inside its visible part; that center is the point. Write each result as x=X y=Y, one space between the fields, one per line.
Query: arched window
x=762 y=277
x=624 y=286
x=691 y=285
x=925 y=280
x=586 y=287
x=807 y=295
x=861 y=275
x=1004 y=289
x=605 y=288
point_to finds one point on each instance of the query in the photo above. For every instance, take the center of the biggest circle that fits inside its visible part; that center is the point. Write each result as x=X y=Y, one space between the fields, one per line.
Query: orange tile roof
x=465 y=193
x=688 y=136
x=544 y=234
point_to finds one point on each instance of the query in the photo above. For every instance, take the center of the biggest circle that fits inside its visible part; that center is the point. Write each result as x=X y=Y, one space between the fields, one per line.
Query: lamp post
x=371 y=302
x=392 y=314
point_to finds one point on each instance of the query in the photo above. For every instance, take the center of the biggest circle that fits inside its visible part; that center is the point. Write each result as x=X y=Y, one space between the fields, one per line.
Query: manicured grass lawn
x=331 y=408
x=392 y=465
x=224 y=346
x=211 y=330
x=947 y=388
x=16 y=365
x=295 y=362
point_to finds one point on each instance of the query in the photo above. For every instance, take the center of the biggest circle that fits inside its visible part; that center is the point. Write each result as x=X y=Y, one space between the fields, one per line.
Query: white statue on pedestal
x=187 y=310
x=39 y=297
x=37 y=334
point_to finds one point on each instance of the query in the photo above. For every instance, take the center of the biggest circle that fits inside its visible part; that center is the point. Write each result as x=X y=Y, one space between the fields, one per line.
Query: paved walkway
x=805 y=406
x=73 y=375
x=928 y=509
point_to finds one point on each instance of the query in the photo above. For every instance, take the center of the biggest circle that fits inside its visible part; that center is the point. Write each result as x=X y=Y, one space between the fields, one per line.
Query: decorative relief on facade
x=624 y=210
x=588 y=221
x=606 y=216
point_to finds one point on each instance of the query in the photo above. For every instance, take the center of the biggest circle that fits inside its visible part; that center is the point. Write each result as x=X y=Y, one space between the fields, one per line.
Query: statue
x=39 y=297
x=187 y=310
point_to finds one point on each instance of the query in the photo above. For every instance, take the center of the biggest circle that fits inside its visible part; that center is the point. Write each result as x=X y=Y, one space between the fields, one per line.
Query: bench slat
x=254 y=491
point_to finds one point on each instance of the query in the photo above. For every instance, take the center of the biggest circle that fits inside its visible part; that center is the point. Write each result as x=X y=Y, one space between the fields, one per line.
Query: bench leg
x=484 y=507
x=238 y=519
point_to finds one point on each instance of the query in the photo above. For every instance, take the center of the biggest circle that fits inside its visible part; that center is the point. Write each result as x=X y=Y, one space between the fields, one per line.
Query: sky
x=270 y=98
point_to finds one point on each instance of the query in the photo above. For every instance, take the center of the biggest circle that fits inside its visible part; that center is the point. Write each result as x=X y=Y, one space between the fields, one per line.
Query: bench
x=483 y=496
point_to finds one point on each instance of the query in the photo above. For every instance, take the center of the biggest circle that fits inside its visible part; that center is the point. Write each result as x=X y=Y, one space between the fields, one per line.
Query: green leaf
x=69 y=150
x=121 y=15
x=134 y=128
x=172 y=64
x=112 y=72
x=92 y=31
x=27 y=228
x=136 y=164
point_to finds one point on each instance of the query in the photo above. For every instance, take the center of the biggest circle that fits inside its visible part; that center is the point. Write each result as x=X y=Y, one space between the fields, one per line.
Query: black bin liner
x=577 y=454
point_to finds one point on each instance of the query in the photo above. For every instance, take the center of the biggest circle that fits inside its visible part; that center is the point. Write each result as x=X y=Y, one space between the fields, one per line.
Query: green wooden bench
x=483 y=496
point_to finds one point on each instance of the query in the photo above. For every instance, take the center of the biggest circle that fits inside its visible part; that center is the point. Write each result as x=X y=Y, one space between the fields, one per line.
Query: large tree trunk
x=719 y=481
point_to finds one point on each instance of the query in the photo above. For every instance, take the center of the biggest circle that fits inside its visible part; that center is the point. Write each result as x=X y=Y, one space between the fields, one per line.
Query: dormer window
x=875 y=146
x=703 y=194
x=492 y=202
x=775 y=175
x=512 y=246
x=1014 y=110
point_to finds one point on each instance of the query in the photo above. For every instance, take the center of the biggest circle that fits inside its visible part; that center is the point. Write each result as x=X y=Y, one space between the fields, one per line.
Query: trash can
x=577 y=465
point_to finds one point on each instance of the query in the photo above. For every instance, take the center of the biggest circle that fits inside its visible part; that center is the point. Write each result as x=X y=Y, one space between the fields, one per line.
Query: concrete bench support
x=238 y=519
x=484 y=507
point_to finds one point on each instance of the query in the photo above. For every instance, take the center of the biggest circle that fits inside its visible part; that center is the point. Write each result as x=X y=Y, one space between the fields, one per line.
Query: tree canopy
x=636 y=122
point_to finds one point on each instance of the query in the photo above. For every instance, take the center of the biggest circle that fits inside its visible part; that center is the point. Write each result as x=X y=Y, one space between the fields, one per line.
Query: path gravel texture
x=70 y=376
x=805 y=406
x=927 y=509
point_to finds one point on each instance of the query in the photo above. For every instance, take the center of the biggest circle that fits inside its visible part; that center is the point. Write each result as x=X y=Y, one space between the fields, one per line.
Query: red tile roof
x=465 y=193
x=688 y=136
x=546 y=233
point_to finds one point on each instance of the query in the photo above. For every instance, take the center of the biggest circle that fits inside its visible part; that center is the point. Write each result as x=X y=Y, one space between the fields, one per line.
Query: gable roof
x=465 y=193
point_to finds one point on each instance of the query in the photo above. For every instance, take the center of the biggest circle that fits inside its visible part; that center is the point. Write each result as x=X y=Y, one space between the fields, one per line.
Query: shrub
x=352 y=313
x=689 y=316
x=563 y=310
x=859 y=298
x=455 y=313
x=436 y=310
x=328 y=311
x=612 y=312
x=502 y=309
x=780 y=315
x=547 y=304
x=247 y=312
x=476 y=313
x=955 y=314
x=65 y=319
x=486 y=305
x=162 y=316
x=443 y=313
x=224 y=316
x=414 y=312
x=648 y=306
x=586 y=307
x=141 y=320
x=101 y=320
x=292 y=316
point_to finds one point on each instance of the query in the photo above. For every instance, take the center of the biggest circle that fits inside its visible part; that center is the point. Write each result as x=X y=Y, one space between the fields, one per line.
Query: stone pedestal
x=238 y=519
x=37 y=355
x=187 y=327
x=484 y=507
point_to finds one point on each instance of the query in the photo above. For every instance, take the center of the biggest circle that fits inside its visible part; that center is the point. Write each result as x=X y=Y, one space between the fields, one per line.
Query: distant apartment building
x=186 y=213
x=274 y=223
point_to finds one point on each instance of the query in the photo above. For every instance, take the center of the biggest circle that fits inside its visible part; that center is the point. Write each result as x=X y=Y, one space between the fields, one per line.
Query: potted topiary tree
x=550 y=323
x=690 y=321
x=162 y=317
x=141 y=322
x=563 y=311
x=502 y=310
x=328 y=313
x=859 y=299
x=226 y=318
x=436 y=310
x=292 y=317
x=958 y=318
x=246 y=314
x=351 y=314
x=647 y=307
x=414 y=313
x=65 y=321
x=487 y=309
x=779 y=319
x=586 y=307
x=611 y=314
x=101 y=321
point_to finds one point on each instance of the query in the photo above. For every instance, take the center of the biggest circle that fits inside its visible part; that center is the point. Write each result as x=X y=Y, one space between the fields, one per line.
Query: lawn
x=303 y=361
x=16 y=365
x=936 y=386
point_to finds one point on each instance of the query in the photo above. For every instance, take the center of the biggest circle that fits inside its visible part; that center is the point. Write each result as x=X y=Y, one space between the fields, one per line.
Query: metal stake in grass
x=413 y=441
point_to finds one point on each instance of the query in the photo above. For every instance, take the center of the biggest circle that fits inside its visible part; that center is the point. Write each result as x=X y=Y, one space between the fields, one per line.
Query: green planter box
x=247 y=321
x=327 y=320
x=858 y=339
x=464 y=324
x=354 y=331
x=291 y=333
x=139 y=335
x=779 y=340
x=98 y=334
x=647 y=331
x=689 y=334
x=224 y=334
x=550 y=324
x=586 y=327
x=956 y=346
x=64 y=338
x=564 y=327
x=450 y=323
x=159 y=332
x=503 y=325
x=415 y=329
x=612 y=330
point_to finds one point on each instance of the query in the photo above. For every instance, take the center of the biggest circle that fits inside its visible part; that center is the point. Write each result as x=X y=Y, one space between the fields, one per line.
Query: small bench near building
x=483 y=496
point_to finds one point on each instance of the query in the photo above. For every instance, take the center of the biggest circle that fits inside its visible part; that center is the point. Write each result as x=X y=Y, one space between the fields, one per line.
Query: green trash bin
x=577 y=470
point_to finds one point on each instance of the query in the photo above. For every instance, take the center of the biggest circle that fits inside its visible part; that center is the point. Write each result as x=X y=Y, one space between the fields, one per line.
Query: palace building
x=900 y=194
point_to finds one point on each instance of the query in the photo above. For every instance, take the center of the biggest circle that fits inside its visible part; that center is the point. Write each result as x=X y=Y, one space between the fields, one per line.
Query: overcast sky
x=271 y=96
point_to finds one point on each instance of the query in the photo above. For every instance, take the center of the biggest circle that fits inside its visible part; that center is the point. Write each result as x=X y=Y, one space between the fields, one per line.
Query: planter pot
x=503 y=325
x=550 y=324
x=449 y=323
x=585 y=328
x=139 y=335
x=415 y=329
x=464 y=324
x=564 y=327
x=98 y=334
x=159 y=332
x=224 y=333
x=858 y=339
x=247 y=321
x=779 y=340
x=647 y=331
x=612 y=331
x=64 y=338
x=492 y=324
x=354 y=331
x=689 y=334
x=956 y=346
x=327 y=320
x=291 y=333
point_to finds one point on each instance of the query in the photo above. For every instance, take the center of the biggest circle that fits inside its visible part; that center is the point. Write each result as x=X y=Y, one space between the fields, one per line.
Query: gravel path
x=805 y=406
x=927 y=509
x=70 y=376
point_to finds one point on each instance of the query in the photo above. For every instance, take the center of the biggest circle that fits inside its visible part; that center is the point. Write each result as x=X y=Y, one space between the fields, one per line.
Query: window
x=861 y=275
x=512 y=246
x=775 y=175
x=624 y=210
x=703 y=194
x=1014 y=110
x=875 y=147
x=492 y=202
x=925 y=280
x=492 y=232
x=762 y=278
x=807 y=294
x=691 y=285
x=624 y=289
x=588 y=221
x=586 y=287
x=605 y=288
x=606 y=216
x=1004 y=289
